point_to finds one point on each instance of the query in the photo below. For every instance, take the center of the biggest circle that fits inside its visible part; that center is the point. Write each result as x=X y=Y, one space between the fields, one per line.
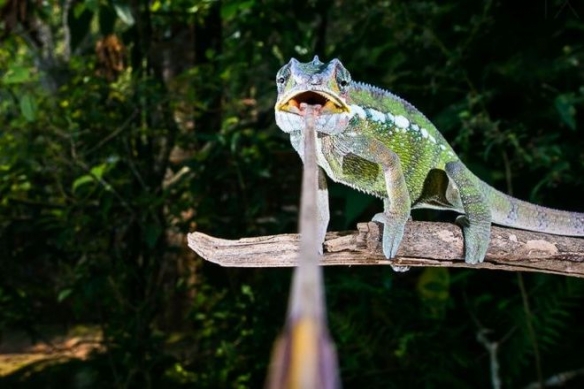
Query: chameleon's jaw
x=324 y=102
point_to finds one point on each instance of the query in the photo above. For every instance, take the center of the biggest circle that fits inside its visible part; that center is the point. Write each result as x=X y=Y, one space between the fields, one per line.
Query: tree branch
x=424 y=244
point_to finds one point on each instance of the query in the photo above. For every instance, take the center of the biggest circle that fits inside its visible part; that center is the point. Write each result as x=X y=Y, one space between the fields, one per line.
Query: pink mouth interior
x=299 y=103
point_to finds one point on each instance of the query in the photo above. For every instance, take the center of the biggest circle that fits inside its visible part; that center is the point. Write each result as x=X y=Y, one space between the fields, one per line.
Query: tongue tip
x=303 y=106
x=314 y=108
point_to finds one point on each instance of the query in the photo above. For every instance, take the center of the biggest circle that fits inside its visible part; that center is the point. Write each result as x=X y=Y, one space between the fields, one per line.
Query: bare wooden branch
x=424 y=244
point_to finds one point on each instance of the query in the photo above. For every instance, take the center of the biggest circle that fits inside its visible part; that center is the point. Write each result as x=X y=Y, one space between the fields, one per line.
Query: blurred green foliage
x=112 y=150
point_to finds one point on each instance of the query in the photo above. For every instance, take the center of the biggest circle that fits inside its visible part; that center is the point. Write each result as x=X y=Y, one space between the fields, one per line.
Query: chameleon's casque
x=376 y=142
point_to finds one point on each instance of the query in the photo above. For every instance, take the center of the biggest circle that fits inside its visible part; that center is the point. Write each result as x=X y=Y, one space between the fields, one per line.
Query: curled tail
x=512 y=212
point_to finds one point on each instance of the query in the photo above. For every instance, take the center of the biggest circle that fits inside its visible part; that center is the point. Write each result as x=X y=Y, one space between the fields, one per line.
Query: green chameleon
x=376 y=142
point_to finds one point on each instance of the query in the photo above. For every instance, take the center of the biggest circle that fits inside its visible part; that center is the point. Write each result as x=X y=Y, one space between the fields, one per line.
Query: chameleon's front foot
x=393 y=233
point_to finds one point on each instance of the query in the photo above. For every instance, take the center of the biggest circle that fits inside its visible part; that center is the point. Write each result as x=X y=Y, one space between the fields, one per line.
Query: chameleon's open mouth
x=322 y=101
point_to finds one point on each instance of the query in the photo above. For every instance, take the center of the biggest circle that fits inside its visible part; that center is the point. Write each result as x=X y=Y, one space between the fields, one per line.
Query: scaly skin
x=376 y=142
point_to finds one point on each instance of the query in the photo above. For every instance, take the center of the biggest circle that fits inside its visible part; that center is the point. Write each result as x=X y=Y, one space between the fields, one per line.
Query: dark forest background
x=125 y=125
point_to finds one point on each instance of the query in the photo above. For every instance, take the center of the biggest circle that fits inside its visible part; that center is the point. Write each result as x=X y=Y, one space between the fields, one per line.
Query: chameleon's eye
x=280 y=80
x=344 y=83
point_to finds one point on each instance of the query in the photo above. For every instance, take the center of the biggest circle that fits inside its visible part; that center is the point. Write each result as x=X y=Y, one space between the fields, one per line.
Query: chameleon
x=376 y=142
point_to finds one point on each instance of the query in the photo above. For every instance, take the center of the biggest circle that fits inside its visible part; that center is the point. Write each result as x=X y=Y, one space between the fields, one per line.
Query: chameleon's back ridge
x=378 y=143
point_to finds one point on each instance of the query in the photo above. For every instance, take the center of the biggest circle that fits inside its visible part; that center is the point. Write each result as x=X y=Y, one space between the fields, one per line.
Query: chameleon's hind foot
x=476 y=222
x=476 y=240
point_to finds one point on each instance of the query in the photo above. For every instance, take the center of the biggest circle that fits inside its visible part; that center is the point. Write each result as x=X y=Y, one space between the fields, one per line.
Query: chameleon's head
x=313 y=84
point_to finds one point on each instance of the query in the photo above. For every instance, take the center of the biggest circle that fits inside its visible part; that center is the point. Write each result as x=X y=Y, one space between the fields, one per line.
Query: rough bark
x=424 y=244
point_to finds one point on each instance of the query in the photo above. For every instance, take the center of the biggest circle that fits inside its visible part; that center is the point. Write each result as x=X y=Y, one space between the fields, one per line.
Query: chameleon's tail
x=512 y=212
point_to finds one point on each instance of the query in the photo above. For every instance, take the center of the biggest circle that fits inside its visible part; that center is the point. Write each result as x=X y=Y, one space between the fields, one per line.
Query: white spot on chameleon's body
x=443 y=147
x=377 y=116
x=432 y=138
x=424 y=133
x=390 y=117
x=358 y=111
x=401 y=121
x=415 y=127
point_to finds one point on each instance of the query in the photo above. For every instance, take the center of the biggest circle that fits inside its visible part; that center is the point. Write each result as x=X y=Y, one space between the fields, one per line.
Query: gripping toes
x=476 y=223
x=397 y=204
x=476 y=239
x=393 y=232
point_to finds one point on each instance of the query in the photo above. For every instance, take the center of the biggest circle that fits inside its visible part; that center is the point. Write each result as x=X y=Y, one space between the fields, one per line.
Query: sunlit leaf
x=16 y=75
x=85 y=179
x=28 y=107
x=97 y=172
x=124 y=12
x=64 y=294
x=155 y=6
x=78 y=10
